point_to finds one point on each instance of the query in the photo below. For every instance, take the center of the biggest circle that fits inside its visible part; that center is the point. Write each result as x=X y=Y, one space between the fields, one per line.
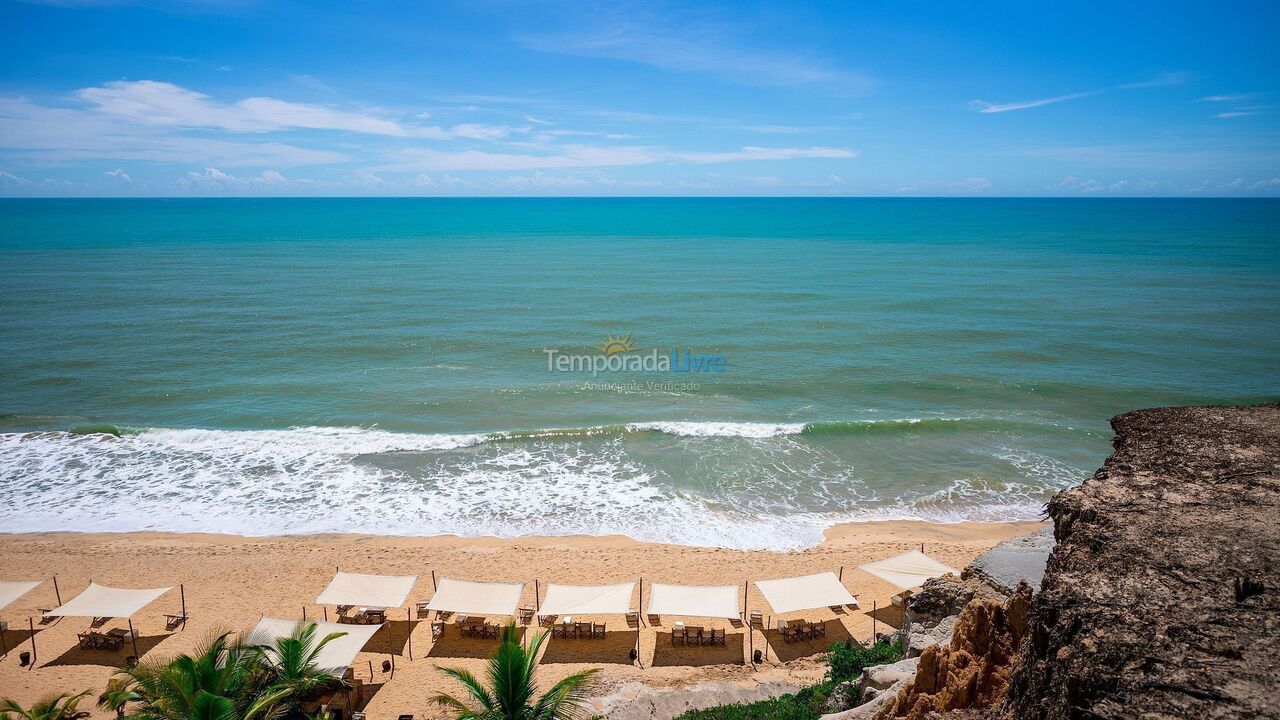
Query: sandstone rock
x=945 y=596
x=882 y=676
x=939 y=634
x=874 y=700
x=973 y=671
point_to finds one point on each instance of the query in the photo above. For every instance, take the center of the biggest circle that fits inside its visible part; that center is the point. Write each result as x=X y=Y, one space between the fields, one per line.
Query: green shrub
x=847 y=659
x=807 y=704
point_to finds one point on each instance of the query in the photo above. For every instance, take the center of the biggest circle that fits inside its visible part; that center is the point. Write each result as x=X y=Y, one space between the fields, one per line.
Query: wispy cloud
x=1162 y=80
x=587 y=156
x=1240 y=105
x=987 y=107
x=671 y=38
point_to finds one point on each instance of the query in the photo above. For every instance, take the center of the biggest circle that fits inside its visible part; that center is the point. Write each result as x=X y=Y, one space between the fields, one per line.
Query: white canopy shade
x=335 y=657
x=908 y=570
x=715 y=601
x=11 y=590
x=588 y=599
x=102 y=601
x=384 y=591
x=805 y=592
x=476 y=598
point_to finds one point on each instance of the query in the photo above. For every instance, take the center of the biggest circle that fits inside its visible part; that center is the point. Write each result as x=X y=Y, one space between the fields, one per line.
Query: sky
x=488 y=97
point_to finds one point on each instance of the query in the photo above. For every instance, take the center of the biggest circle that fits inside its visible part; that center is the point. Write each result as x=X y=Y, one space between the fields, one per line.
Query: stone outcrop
x=973 y=671
x=1014 y=560
x=943 y=597
x=1162 y=595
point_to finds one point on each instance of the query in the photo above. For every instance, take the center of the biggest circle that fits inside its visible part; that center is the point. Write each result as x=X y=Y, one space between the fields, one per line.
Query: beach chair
x=818 y=630
x=717 y=637
x=372 y=615
x=678 y=636
x=633 y=617
x=757 y=620
x=597 y=631
x=584 y=631
x=789 y=633
x=423 y=610
x=490 y=630
x=693 y=635
x=526 y=614
x=99 y=622
x=172 y=621
x=437 y=629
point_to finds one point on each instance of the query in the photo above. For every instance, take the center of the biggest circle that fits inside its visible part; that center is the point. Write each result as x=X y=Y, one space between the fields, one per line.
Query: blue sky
x=237 y=97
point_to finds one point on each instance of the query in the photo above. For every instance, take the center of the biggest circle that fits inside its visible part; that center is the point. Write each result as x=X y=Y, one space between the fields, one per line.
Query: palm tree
x=119 y=692
x=510 y=695
x=290 y=663
x=53 y=707
x=223 y=680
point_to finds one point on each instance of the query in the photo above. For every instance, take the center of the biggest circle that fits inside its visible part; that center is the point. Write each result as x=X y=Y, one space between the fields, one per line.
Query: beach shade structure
x=587 y=599
x=369 y=591
x=476 y=598
x=907 y=572
x=335 y=657
x=711 y=601
x=590 y=600
x=806 y=592
x=100 y=601
x=11 y=590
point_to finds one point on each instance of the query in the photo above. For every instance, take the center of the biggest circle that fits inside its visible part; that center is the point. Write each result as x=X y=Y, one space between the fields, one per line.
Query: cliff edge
x=1162 y=595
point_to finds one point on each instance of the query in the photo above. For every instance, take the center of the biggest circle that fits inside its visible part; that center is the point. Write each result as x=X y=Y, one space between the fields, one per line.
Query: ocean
x=770 y=366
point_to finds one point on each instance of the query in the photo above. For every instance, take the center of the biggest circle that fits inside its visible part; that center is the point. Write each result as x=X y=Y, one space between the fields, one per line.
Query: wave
x=710 y=428
x=771 y=490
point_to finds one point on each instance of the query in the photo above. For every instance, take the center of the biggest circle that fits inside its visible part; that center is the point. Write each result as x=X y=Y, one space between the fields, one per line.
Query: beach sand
x=231 y=581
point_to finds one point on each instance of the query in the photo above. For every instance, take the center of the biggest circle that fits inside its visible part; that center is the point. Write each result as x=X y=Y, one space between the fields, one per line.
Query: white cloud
x=120 y=175
x=585 y=156
x=215 y=180
x=61 y=135
x=366 y=179
x=1161 y=80
x=540 y=180
x=983 y=106
x=10 y=180
x=690 y=41
x=762 y=153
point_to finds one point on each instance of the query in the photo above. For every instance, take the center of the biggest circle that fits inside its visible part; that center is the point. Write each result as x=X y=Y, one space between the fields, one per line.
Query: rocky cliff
x=1162 y=595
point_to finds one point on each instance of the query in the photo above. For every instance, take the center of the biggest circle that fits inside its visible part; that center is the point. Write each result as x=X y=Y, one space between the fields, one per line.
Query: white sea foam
x=721 y=429
x=309 y=480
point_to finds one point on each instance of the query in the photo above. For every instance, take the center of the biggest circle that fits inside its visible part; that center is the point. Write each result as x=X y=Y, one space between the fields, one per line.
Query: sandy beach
x=231 y=581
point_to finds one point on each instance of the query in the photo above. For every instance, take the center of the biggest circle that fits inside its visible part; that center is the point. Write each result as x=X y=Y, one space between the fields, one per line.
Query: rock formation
x=1162 y=595
x=973 y=671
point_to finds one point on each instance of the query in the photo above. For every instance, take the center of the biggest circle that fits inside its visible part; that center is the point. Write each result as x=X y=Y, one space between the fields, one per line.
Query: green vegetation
x=54 y=707
x=845 y=661
x=808 y=704
x=510 y=691
x=223 y=680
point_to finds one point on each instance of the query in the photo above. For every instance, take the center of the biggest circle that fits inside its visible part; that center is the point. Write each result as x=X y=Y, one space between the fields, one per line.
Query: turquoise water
x=381 y=365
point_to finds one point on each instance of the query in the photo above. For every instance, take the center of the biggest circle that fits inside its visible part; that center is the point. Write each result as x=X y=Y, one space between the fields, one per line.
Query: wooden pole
x=408 y=615
x=134 y=637
x=841 y=573
x=326 y=613
x=640 y=607
x=751 y=636
x=873 y=622
x=304 y=613
x=182 y=590
x=56 y=592
x=32 y=627
x=537 y=601
x=433 y=581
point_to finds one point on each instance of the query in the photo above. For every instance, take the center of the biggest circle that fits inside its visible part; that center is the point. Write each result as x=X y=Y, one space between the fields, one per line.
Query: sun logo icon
x=612 y=346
